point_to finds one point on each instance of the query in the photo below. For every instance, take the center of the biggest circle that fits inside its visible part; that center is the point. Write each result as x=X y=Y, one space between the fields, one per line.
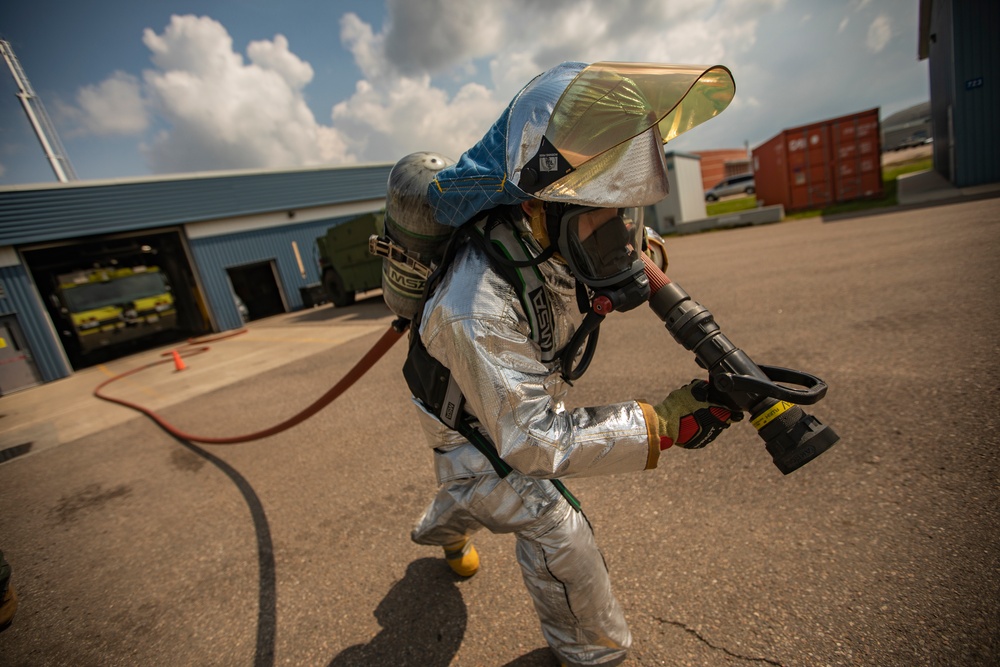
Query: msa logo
x=405 y=282
x=544 y=319
x=449 y=411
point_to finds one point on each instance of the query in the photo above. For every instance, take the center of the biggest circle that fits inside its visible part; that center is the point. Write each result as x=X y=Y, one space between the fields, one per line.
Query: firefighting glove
x=688 y=420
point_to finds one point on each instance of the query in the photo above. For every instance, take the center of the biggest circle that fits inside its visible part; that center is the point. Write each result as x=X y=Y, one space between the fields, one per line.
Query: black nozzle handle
x=792 y=437
x=813 y=389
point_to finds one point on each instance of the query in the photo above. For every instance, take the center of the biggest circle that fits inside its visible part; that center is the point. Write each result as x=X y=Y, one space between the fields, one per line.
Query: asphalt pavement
x=130 y=546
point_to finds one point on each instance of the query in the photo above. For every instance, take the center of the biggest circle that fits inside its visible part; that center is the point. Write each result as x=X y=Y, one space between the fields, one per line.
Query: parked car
x=734 y=185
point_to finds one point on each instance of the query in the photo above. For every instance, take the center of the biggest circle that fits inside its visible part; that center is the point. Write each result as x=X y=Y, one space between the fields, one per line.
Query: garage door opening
x=112 y=296
x=257 y=286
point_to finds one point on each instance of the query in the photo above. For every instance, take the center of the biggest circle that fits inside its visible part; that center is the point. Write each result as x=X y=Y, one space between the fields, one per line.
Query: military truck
x=345 y=265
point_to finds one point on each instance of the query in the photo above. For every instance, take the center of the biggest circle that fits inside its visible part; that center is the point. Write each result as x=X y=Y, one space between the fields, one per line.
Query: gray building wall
x=941 y=71
x=214 y=254
x=961 y=41
x=977 y=91
x=20 y=298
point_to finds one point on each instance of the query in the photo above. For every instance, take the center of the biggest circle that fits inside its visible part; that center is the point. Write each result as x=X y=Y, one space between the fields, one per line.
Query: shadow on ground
x=423 y=620
x=541 y=657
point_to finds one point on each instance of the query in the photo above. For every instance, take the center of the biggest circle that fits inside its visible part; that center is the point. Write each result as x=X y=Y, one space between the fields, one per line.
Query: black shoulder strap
x=518 y=265
x=486 y=447
x=431 y=382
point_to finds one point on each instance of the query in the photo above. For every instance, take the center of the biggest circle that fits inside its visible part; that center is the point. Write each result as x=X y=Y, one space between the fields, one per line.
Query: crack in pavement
x=712 y=646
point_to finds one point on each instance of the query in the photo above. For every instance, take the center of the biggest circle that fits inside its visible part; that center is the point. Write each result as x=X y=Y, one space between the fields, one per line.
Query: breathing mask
x=602 y=247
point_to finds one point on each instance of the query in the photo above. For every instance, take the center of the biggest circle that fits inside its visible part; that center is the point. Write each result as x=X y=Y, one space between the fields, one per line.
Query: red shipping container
x=821 y=164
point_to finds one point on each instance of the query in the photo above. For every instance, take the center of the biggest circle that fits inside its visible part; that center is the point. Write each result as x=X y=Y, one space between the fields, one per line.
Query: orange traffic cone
x=178 y=362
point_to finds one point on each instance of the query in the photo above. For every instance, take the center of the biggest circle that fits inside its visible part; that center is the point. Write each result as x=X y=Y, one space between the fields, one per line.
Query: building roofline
x=693 y=156
x=186 y=176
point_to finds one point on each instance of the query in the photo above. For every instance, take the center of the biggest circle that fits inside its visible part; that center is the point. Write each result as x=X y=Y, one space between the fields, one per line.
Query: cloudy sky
x=167 y=86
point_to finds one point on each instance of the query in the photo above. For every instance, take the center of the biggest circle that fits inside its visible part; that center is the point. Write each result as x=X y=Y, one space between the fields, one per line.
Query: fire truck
x=111 y=305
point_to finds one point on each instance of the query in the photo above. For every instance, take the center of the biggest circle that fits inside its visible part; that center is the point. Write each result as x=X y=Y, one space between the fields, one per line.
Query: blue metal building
x=960 y=39
x=210 y=232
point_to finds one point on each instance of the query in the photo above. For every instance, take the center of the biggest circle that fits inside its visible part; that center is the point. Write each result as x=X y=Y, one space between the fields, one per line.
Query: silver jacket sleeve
x=475 y=325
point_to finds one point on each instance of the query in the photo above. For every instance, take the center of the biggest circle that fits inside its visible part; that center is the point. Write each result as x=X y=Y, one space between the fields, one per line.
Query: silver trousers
x=562 y=567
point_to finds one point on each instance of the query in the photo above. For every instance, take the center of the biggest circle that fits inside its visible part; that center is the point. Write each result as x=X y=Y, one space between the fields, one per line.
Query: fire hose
x=360 y=368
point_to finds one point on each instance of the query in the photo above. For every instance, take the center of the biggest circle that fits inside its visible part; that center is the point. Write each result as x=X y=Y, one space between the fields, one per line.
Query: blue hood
x=481 y=179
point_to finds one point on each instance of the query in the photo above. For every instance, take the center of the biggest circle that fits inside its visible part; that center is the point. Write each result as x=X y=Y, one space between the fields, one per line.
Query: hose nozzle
x=792 y=436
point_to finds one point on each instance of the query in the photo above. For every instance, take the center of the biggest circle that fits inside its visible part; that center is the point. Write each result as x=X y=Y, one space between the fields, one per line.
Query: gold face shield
x=602 y=144
x=588 y=135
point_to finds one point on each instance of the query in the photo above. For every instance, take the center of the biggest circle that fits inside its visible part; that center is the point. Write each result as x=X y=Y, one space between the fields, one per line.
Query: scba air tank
x=409 y=222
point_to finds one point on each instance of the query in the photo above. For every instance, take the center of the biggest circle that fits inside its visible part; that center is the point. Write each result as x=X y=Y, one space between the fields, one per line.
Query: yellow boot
x=462 y=557
x=7 y=608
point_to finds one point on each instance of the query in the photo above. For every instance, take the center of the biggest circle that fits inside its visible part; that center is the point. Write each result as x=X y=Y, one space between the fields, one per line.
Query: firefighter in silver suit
x=564 y=174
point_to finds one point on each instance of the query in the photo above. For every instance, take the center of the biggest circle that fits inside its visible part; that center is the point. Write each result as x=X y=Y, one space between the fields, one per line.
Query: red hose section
x=657 y=278
x=212 y=339
x=360 y=368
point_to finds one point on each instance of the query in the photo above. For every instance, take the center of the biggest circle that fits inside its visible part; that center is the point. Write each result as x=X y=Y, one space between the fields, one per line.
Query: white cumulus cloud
x=275 y=56
x=401 y=104
x=879 y=33
x=223 y=113
x=213 y=109
x=113 y=107
x=435 y=34
x=435 y=76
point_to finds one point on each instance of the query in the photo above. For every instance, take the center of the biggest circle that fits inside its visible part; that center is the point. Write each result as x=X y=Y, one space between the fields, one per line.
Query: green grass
x=895 y=171
x=730 y=205
x=888 y=198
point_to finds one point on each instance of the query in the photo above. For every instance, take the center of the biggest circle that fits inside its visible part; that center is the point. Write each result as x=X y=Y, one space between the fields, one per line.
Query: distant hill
x=907 y=128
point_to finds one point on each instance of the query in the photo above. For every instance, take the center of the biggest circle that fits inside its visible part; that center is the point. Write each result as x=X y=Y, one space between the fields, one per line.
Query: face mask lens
x=603 y=242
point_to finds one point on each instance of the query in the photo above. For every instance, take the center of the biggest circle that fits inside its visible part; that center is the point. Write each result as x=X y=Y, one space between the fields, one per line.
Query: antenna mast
x=46 y=133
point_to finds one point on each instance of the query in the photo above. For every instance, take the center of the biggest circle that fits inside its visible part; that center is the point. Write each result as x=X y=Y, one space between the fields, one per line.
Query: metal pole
x=40 y=123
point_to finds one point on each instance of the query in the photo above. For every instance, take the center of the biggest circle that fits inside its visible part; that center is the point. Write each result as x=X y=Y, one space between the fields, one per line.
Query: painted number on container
x=797 y=144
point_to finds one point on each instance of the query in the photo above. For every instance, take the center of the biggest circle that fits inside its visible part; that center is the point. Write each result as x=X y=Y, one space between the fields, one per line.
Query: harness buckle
x=384 y=247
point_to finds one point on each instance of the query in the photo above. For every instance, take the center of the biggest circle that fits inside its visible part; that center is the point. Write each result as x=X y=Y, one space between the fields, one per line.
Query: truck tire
x=335 y=288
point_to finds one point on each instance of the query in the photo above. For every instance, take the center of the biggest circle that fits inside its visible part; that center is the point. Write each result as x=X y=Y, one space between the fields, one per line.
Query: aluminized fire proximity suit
x=581 y=142
x=475 y=325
